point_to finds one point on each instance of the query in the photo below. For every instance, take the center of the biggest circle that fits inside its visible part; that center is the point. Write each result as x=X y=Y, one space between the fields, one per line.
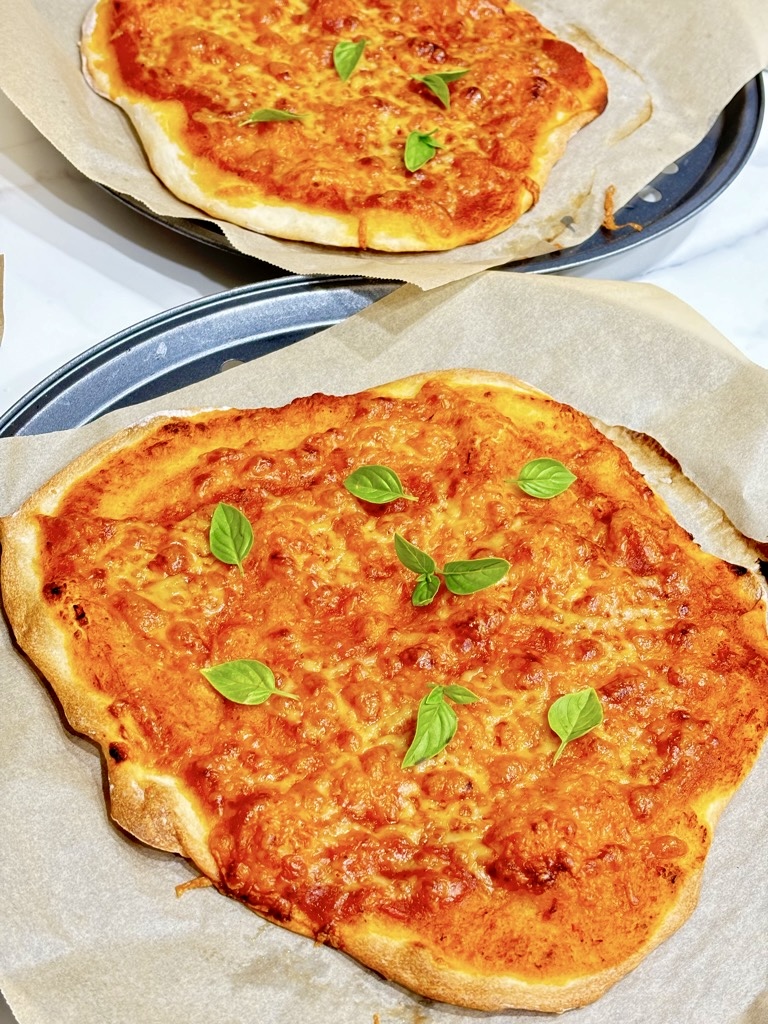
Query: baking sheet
x=671 y=70
x=90 y=929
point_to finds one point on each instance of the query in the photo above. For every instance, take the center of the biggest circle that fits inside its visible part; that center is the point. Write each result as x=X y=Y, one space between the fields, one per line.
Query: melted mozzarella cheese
x=310 y=817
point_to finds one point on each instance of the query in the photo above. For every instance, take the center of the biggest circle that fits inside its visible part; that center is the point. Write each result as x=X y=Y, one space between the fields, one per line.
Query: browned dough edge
x=159 y=125
x=161 y=813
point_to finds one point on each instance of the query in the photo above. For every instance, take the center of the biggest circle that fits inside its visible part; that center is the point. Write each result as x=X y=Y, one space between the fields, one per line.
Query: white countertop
x=79 y=266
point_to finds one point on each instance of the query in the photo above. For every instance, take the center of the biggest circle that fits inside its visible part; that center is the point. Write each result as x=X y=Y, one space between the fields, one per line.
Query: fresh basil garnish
x=543 y=478
x=573 y=715
x=466 y=577
x=346 y=56
x=475 y=574
x=436 y=722
x=244 y=681
x=459 y=694
x=378 y=484
x=419 y=148
x=437 y=82
x=414 y=558
x=270 y=114
x=427 y=585
x=230 y=536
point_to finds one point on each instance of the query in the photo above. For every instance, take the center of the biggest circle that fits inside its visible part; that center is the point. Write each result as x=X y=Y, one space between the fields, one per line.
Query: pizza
x=428 y=673
x=388 y=126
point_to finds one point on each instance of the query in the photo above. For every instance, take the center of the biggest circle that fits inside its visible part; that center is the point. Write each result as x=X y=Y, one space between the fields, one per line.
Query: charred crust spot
x=118 y=752
x=52 y=590
x=175 y=427
x=740 y=570
x=80 y=615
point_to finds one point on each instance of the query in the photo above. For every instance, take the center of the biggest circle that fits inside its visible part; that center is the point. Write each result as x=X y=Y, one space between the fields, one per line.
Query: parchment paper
x=671 y=69
x=90 y=929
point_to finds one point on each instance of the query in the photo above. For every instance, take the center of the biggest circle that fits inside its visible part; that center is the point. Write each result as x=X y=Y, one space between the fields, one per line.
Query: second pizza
x=398 y=127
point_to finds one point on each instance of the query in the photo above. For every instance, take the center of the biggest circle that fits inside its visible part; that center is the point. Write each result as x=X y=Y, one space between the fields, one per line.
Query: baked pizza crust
x=160 y=811
x=389 y=217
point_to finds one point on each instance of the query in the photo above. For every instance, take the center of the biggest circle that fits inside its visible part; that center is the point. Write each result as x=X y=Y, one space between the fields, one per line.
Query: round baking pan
x=673 y=197
x=185 y=345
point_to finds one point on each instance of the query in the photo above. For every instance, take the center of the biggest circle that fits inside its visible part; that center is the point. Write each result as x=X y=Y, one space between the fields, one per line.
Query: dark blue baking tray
x=187 y=344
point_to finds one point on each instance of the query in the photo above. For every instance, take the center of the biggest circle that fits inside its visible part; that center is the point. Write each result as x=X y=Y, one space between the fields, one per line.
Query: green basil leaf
x=346 y=56
x=460 y=694
x=544 y=478
x=425 y=590
x=573 y=715
x=414 y=558
x=230 y=536
x=436 y=724
x=270 y=114
x=419 y=148
x=475 y=574
x=244 y=681
x=437 y=83
x=378 y=484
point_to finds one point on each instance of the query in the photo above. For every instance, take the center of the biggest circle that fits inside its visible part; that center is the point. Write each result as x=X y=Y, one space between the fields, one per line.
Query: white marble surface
x=80 y=267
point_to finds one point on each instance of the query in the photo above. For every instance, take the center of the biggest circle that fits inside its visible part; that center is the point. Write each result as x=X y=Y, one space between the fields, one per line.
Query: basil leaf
x=475 y=574
x=425 y=590
x=436 y=724
x=378 y=484
x=346 y=56
x=230 y=536
x=438 y=84
x=544 y=478
x=460 y=694
x=414 y=558
x=573 y=715
x=244 y=681
x=270 y=114
x=419 y=148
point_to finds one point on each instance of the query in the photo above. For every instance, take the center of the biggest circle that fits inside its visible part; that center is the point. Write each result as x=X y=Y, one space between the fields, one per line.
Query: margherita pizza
x=391 y=126
x=427 y=673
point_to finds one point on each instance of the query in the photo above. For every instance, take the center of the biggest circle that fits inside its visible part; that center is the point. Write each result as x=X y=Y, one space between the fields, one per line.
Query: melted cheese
x=199 y=69
x=490 y=854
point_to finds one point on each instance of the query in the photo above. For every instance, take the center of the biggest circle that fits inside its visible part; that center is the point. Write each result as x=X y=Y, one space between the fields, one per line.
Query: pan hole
x=649 y=194
x=228 y=364
x=671 y=169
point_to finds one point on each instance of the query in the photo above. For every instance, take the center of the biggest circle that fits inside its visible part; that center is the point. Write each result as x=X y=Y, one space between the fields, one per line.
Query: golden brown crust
x=189 y=74
x=573 y=862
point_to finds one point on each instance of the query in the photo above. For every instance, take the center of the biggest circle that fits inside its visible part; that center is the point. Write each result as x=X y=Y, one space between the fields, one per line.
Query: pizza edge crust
x=161 y=813
x=158 y=124
x=416 y=966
